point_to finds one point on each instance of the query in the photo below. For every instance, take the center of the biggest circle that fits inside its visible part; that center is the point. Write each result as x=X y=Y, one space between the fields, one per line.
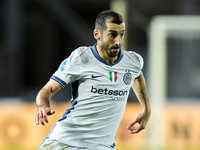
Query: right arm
x=43 y=101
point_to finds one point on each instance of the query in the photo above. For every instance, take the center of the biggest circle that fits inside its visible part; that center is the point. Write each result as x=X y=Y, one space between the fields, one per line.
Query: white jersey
x=99 y=96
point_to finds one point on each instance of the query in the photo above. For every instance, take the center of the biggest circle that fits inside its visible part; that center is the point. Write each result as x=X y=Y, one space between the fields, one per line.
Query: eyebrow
x=114 y=31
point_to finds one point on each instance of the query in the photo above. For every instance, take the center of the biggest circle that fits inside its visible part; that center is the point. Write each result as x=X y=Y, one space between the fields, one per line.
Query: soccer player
x=101 y=77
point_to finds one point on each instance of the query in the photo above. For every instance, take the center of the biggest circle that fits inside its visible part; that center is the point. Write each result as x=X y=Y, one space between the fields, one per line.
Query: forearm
x=43 y=99
x=139 y=87
x=45 y=94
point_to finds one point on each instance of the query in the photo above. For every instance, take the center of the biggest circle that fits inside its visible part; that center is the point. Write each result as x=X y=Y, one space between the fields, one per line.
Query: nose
x=118 y=40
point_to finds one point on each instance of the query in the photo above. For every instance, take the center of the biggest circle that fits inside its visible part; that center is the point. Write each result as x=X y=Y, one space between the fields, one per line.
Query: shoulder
x=77 y=53
x=137 y=58
x=134 y=60
x=81 y=50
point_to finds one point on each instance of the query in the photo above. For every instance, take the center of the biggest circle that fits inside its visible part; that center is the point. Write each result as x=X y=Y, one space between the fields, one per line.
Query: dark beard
x=108 y=50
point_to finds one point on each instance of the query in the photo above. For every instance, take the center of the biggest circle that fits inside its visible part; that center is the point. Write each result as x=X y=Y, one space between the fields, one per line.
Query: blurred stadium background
x=36 y=35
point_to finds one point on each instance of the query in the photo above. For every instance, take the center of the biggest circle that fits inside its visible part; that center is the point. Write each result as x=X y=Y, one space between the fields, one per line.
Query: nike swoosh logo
x=92 y=76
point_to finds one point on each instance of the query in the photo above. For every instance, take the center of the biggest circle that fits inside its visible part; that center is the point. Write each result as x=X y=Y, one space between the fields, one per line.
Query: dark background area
x=36 y=35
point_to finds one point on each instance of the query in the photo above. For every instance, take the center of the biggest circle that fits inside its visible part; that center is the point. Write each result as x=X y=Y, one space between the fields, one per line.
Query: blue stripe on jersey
x=60 y=81
x=74 y=86
x=96 y=54
x=64 y=116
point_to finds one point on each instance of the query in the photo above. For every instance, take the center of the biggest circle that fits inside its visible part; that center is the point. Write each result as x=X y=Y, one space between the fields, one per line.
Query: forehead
x=115 y=27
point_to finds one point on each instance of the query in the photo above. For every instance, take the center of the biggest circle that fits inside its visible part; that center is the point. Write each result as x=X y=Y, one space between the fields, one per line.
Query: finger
x=131 y=125
x=136 y=129
x=36 y=119
x=51 y=112
x=41 y=117
x=45 y=116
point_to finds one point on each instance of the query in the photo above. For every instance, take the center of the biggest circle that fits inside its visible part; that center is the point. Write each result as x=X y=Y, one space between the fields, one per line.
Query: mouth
x=115 y=48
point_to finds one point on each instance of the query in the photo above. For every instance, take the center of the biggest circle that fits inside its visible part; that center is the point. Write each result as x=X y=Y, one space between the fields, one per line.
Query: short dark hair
x=100 y=23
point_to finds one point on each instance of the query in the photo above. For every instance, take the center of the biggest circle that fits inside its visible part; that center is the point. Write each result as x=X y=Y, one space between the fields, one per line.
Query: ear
x=97 y=34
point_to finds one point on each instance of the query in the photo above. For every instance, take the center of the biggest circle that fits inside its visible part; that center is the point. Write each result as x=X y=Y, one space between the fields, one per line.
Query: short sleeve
x=140 y=63
x=69 y=70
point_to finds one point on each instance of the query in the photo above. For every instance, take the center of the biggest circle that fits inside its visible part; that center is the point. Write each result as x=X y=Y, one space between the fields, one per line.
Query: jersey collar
x=96 y=54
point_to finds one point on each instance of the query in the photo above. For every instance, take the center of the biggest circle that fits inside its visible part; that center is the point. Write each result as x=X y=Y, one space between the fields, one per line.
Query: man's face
x=112 y=38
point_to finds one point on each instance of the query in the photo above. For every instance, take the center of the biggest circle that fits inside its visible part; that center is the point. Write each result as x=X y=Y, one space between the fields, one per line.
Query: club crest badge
x=127 y=78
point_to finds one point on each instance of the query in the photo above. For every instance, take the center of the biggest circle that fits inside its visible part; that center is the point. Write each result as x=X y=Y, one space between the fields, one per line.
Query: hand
x=41 y=115
x=142 y=120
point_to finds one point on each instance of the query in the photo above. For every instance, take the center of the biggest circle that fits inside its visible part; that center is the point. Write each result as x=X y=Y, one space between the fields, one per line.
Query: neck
x=105 y=56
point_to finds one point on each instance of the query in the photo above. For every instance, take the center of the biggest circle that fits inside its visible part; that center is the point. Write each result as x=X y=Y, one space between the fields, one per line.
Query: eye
x=122 y=34
x=112 y=35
